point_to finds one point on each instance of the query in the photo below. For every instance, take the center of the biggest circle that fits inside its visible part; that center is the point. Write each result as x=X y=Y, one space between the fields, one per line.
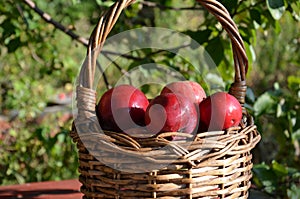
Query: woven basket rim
x=86 y=96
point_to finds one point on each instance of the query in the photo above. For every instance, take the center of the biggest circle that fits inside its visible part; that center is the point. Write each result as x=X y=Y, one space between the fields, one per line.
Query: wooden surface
x=66 y=189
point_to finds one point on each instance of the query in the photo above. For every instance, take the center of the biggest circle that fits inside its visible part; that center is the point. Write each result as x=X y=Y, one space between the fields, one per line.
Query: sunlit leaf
x=263 y=104
x=293 y=82
x=294 y=192
x=105 y=3
x=295 y=10
x=279 y=169
x=250 y=51
x=276 y=8
x=296 y=135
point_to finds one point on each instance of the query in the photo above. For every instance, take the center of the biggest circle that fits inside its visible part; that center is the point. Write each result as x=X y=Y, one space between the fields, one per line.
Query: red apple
x=122 y=107
x=171 y=112
x=219 y=112
x=192 y=90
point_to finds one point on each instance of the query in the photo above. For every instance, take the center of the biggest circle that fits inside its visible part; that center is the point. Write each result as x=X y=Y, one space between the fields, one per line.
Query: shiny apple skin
x=219 y=111
x=171 y=112
x=122 y=107
x=190 y=89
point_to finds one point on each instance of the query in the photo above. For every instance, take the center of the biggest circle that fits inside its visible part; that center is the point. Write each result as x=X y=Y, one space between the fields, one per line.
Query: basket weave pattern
x=211 y=165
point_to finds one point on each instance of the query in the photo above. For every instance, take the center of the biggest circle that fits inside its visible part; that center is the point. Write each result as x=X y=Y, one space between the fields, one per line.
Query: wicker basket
x=213 y=164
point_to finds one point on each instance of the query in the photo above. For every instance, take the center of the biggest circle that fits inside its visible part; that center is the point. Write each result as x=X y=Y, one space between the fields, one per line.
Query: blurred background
x=41 y=57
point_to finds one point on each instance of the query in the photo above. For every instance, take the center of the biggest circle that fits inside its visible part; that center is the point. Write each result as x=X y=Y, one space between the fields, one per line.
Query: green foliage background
x=38 y=61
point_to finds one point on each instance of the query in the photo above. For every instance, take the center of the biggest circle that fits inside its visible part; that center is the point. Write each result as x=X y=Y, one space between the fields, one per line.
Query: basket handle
x=108 y=20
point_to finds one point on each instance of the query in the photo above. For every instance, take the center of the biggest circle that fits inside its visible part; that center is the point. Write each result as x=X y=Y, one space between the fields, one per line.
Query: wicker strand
x=213 y=164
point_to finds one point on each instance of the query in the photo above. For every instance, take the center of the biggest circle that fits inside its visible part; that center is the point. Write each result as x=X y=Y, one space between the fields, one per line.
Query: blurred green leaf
x=250 y=96
x=200 y=36
x=276 y=8
x=294 y=82
x=279 y=169
x=264 y=104
x=230 y=4
x=216 y=50
x=13 y=45
x=294 y=9
x=266 y=177
x=167 y=2
x=294 y=192
x=256 y=16
x=248 y=34
x=105 y=3
x=250 y=50
x=296 y=135
x=7 y=29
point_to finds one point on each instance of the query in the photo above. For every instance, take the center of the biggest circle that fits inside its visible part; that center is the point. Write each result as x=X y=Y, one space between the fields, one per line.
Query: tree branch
x=49 y=19
x=73 y=35
x=69 y=32
x=84 y=41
